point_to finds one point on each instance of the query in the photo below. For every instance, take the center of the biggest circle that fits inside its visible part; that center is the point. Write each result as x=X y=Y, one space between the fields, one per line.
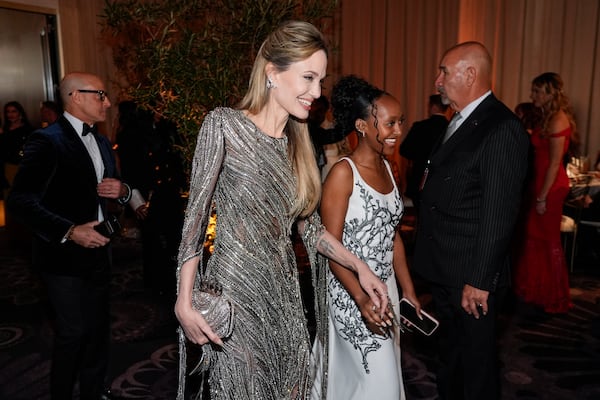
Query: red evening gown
x=541 y=275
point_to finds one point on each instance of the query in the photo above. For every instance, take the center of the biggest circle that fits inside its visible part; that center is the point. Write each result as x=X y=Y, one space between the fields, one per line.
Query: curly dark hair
x=353 y=98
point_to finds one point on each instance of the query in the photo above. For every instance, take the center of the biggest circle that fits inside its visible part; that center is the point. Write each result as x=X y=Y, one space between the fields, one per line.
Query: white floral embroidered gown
x=363 y=365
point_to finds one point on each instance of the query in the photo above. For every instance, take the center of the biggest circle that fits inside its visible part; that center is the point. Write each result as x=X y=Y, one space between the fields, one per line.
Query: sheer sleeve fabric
x=311 y=232
x=206 y=165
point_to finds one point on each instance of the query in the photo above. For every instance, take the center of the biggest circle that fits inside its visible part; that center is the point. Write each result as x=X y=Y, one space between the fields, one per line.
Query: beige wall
x=397 y=44
x=79 y=45
x=81 y=48
x=31 y=5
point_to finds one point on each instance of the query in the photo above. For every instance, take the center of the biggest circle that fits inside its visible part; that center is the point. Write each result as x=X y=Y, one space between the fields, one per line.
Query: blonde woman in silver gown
x=257 y=165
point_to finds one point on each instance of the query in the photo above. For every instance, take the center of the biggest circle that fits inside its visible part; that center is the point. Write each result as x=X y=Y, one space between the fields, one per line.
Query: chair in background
x=573 y=221
x=568 y=231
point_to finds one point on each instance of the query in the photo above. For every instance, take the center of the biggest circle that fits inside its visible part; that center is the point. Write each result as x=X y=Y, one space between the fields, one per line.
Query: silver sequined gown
x=249 y=177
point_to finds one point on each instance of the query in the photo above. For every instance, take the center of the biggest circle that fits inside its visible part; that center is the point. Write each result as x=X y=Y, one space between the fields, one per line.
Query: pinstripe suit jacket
x=470 y=200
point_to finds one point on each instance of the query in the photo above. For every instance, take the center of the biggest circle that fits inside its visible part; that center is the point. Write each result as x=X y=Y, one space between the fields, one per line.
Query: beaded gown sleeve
x=249 y=177
x=206 y=164
x=319 y=265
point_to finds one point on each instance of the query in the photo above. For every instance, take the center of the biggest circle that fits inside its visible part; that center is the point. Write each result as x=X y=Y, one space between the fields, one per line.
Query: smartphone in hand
x=109 y=228
x=426 y=326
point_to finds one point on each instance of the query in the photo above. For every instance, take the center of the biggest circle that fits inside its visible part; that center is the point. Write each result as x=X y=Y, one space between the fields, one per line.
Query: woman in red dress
x=541 y=276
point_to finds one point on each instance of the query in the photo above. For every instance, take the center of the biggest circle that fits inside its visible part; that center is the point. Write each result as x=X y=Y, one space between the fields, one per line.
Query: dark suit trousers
x=82 y=334
x=467 y=348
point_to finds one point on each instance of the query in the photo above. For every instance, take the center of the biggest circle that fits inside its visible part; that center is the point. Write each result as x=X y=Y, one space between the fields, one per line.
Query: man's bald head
x=476 y=55
x=80 y=92
x=465 y=74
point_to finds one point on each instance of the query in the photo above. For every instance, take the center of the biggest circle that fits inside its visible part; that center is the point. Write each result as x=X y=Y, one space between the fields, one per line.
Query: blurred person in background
x=15 y=131
x=541 y=275
x=49 y=112
x=418 y=143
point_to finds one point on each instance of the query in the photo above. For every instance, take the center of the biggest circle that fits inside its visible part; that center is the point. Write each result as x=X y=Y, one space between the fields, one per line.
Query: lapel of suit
x=106 y=156
x=464 y=131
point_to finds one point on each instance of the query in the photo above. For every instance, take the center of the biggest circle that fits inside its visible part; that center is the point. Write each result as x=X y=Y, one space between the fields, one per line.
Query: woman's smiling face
x=299 y=85
x=385 y=125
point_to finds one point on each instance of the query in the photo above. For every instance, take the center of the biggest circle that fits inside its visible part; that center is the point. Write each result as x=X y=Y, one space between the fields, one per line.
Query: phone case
x=109 y=227
x=426 y=326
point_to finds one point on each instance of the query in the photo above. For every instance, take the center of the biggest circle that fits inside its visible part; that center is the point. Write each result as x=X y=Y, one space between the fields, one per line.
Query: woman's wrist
x=540 y=200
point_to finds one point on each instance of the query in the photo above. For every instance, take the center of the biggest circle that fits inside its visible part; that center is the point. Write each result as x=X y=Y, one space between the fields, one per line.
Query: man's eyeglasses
x=101 y=93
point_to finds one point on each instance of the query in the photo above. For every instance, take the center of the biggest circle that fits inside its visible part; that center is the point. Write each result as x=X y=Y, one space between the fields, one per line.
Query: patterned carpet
x=542 y=357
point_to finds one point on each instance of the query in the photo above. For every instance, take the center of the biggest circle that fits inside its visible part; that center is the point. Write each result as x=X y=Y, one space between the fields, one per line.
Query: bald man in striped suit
x=470 y=196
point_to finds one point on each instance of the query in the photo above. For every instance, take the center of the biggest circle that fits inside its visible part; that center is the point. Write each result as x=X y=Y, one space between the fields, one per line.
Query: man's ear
x=74 y=96
x=471 y=76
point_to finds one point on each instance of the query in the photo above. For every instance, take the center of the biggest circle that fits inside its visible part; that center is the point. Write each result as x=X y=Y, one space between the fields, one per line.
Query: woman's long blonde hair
x=552 y=84
x=293 y=41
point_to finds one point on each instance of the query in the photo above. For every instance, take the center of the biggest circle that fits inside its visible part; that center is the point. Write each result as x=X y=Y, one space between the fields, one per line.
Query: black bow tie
x=88 y=129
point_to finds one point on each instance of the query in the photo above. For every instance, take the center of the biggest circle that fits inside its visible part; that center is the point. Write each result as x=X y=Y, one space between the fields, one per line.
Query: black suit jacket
x=55 y=187
x=470 y=200
x=417 y=146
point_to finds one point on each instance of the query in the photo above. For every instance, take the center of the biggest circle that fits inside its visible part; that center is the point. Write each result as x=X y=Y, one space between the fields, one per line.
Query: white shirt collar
x=465 y=112
x=75 y=122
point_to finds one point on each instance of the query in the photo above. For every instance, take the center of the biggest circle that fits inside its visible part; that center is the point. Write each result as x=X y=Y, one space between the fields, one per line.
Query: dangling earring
x=362 y=134
x=270 y=84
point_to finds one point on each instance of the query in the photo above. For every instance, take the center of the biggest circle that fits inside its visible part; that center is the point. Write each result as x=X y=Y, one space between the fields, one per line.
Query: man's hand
x=474 y=301
x=86 y=236
x=111 y=188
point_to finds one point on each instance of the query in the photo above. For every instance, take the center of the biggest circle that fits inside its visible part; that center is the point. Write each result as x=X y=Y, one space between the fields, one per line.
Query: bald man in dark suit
x=66 y=179
x=469 y=205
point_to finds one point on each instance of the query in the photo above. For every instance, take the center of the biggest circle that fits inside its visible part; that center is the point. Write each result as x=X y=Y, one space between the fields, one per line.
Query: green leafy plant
x=182 y=58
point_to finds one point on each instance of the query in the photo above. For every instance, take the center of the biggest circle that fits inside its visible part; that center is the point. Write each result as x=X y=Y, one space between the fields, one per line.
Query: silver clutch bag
x=215 y=308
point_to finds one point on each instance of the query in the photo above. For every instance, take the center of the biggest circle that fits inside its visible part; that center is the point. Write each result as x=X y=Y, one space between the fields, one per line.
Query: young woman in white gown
x=361 y=206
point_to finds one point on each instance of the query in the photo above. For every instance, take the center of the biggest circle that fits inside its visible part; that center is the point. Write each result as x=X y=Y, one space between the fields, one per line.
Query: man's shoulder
x=495 y=108
x=52 y=130
x=495 y=121
x=56 y=129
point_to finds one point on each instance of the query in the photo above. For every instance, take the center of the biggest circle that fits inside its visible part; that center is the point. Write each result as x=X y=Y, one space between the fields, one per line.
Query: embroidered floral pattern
x=369 y=231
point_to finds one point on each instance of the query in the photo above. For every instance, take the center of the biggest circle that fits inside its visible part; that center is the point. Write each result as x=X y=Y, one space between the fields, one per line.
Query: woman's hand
x=411 y=297
x=373 y=317
x=415 y=301
x=332 y=248
x=540 y=207
x=374 y=287
x=194 y=325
